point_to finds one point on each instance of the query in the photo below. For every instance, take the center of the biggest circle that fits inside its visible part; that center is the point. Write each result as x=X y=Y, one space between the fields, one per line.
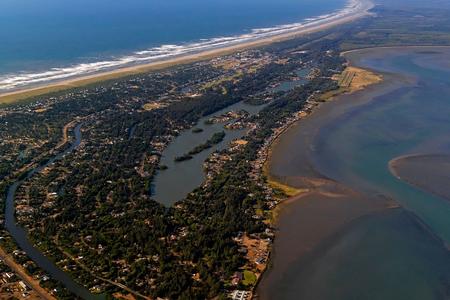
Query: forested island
x=214 y=140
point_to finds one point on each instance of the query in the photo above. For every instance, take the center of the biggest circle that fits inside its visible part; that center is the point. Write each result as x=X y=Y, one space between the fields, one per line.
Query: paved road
x=20 y=271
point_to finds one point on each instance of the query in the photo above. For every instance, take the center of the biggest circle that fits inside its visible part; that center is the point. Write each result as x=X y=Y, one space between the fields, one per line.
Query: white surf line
x=12 y=82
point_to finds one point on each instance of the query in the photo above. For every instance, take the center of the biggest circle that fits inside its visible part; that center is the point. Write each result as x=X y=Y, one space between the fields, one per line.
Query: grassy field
x=249 y=278
x=352 y=80
x=395 y=25
x=286 y=189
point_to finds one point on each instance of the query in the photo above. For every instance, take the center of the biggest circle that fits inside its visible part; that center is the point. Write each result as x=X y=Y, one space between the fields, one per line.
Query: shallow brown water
x=430 y=172
x=349 y=247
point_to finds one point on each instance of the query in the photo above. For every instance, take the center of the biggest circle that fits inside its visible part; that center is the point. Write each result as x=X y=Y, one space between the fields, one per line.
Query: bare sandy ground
x=10 y=97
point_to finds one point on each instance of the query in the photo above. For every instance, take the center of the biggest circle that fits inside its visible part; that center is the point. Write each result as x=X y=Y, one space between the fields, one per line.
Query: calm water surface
x=401 y=122
x=399 y=254
x=181 y=178
x=21 y=236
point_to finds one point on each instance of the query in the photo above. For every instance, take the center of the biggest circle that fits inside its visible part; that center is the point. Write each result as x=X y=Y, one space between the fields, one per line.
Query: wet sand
x=10 y=97
x=311 y=224
x=307 y=220
x=310 y=218
x=340 y=264
x=429 y=172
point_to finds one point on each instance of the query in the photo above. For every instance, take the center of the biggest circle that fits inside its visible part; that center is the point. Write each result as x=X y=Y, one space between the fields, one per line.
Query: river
x=21 y=237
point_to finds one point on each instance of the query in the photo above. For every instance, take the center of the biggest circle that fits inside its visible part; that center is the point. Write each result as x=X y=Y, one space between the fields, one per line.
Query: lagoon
x=180 y=178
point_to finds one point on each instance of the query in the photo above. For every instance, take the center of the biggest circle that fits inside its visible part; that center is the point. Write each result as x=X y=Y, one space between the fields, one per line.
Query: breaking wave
x=10 y=82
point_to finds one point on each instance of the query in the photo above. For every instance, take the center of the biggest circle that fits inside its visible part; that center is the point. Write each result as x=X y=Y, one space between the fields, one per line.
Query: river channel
x=21 y=236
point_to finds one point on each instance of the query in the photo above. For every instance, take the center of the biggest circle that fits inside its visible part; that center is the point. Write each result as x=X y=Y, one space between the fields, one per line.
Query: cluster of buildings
x=240 y=295
x=12 y=286
x=255 y=247
x=228 y=116
x=250 y=60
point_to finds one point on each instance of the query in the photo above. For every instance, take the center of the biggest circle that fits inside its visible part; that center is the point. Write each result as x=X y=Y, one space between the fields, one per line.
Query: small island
x=183 y=158
x=197 y=130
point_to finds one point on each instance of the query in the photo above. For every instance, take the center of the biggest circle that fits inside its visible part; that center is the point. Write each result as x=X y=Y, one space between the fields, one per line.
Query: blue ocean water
x=39 y=35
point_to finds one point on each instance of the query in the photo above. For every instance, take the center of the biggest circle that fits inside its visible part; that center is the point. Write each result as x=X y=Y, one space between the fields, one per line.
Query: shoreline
x=393 y=47
x=370 y=78
x=316 y=194
x=403 y=161
x=352 y=63
x=361 y=78
x=297 y=205
x=362 y=9
x=392 y=163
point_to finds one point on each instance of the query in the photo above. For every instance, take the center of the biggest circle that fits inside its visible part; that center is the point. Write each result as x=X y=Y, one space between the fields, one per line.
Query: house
x=240 y=295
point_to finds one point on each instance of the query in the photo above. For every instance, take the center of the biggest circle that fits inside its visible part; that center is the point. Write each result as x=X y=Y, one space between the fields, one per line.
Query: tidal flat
x=374 y=235
x=429 y=172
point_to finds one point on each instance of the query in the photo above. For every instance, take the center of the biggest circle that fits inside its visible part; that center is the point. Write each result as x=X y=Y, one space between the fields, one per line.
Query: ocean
x=48 y=40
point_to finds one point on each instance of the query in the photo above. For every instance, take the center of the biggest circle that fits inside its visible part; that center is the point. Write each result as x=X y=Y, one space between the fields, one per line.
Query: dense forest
x=95 y=204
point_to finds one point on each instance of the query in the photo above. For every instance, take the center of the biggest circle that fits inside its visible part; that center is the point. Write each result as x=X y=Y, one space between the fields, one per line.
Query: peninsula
x=284 y=188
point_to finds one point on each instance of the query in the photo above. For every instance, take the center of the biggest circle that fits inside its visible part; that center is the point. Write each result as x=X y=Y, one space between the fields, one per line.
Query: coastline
x=361 y=8
x=299 y=207
x=394 y=47
x=317 y=196
x=368 y=90
x=362 y=79
x=432 y=167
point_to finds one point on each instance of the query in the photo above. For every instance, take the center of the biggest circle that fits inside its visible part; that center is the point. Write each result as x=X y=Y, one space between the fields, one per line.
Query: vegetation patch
x=214 y=140
x=249 y=278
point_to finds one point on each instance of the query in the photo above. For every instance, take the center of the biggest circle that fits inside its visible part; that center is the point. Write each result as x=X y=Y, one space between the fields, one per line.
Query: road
x=20 y=271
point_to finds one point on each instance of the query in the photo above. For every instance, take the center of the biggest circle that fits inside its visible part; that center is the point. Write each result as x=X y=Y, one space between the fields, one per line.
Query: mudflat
x=429 y=172
x=336 y=233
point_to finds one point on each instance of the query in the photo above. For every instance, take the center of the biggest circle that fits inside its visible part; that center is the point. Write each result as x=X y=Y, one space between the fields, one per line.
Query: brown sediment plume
x=321 y=207
x=311 y=217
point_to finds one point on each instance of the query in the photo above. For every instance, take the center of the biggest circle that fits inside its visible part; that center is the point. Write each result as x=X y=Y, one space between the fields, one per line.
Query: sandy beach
x=358 y=9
